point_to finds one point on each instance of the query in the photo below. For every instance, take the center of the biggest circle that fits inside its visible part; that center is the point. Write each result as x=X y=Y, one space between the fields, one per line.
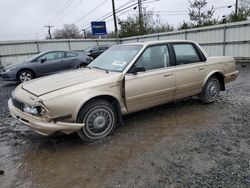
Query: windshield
x=92 y=48
x=34 y=57
x=116 y=58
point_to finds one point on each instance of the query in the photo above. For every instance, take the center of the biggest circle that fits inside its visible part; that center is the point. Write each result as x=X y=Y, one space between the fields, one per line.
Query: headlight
x=34 y=110
x=9 y=69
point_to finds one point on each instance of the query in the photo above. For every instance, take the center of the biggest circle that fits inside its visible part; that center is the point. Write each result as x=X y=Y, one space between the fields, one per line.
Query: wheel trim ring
x=213 y=90
x=94 y=136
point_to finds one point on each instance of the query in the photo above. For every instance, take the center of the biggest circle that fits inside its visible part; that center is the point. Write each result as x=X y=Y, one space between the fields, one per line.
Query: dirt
x=180 y=144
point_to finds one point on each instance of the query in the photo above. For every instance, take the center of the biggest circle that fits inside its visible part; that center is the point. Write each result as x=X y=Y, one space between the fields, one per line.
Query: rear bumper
x=40 y=125
x=231 y=76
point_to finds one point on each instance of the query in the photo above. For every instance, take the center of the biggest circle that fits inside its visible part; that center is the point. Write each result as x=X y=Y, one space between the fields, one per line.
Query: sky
x=25 y=19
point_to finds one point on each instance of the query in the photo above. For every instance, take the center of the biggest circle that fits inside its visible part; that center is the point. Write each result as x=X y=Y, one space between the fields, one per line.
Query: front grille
x=17 y=104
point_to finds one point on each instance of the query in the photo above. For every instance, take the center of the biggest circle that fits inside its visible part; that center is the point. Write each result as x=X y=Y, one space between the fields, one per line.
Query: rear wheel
x=82 y=66
x=211 y=90
x=99 y=117
x=25 y=75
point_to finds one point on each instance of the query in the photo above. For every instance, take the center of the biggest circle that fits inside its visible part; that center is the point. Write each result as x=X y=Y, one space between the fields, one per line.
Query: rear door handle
x=201 y=68
x=168 y=75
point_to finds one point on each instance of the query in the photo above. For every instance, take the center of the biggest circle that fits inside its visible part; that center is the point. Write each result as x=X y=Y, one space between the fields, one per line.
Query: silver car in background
x=45 y=63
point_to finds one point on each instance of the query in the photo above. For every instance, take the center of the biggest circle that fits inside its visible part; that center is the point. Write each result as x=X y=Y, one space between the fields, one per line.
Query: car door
x=71 y=60
x=190 y=69
x=51 y=62
x=155 y=85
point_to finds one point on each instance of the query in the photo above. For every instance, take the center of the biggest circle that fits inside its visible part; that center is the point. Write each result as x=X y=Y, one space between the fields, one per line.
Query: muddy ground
x=181 y=144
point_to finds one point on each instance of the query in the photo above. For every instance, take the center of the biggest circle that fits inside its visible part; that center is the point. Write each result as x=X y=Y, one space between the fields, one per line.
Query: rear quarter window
x=185 y=54
x=71 y=54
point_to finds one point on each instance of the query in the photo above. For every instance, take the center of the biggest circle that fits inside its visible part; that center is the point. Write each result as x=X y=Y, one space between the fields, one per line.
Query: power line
x=128 y=2
x=119 y=10
x=61 y=11
x=110 y=15
x=65 y=15
x=90 y=12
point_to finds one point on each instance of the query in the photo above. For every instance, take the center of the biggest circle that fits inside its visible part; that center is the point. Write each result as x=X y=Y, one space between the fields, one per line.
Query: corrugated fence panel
x=241 y=33
x=147 y=39
x=83 y=44
x=238 y=50
x=17 y=48
x=213 y=50
x=107 y=42
x=57 y=45
x=204 y=36
x=179 y=36
x=11 y=60
x=129 y=40
x=80 y=45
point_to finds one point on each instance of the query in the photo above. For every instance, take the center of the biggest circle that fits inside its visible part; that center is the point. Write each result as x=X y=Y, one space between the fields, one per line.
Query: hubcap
x=212 y=91
x=99 y=122
x=25 y=76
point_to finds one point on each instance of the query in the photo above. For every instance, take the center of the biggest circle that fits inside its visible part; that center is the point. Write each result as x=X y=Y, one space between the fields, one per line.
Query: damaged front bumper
x=40 y=125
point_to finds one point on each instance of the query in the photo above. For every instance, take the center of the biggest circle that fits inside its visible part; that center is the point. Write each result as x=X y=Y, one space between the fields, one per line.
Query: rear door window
x=70 y=54
x=185 y=54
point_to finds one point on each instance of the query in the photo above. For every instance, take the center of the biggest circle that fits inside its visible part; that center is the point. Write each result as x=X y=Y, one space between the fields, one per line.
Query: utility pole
x=140 y=15
x=114 y=17
x=84 y=33
x=49 y=29
x=236 y=8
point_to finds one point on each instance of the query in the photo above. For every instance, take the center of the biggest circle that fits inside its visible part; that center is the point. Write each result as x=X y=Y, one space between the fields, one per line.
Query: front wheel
x=99 y=117
x=25 y=75
x=211 y=90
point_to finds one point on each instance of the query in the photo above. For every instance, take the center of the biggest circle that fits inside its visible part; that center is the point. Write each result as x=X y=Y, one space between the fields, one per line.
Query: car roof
x=146 y=43
x=47 y=51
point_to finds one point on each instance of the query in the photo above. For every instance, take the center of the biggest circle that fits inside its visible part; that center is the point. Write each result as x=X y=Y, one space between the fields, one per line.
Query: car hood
x=45 y=85
x=16 y=65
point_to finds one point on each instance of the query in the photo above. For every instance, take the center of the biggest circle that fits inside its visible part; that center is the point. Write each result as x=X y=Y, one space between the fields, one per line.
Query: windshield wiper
x=101 y=69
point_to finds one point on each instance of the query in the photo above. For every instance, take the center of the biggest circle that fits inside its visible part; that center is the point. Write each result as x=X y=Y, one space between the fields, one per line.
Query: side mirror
x=135 y=69
x=43 y=60
x=90 y=51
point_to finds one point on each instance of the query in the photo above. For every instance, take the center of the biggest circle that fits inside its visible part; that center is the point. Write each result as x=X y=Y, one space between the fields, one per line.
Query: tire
x=82 y=66
x=99 y=117
x=24 y=76
x=211 y=90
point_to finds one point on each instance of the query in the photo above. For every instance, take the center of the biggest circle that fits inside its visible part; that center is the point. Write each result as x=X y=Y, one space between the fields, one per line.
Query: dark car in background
x=95 y=51
x=45 y=63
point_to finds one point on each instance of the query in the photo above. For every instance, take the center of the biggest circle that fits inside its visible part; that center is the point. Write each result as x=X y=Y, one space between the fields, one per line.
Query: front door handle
x=201 y=68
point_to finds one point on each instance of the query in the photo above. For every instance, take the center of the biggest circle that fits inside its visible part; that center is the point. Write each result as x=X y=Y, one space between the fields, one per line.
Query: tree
x=185 y=25
x=243 y=13
x=151 y=24
x=199 y=16
x=69 y=31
